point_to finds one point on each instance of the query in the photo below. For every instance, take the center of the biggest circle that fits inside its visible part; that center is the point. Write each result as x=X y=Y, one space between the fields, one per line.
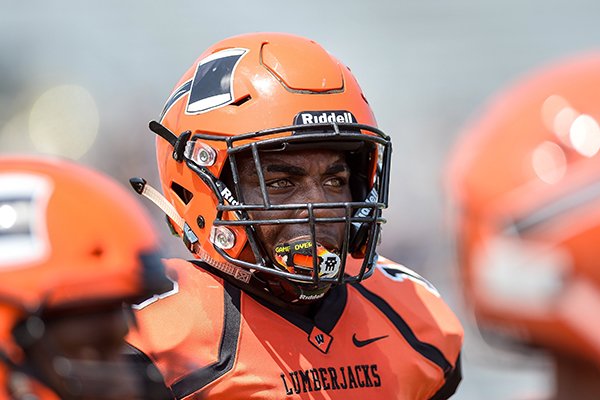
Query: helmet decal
x=23 y=237
x=205 y=95
x=177 y=94
x=212 y=85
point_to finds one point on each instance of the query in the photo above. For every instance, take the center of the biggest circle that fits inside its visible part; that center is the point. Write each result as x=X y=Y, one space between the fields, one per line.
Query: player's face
x=80 y=355
x=293 y=177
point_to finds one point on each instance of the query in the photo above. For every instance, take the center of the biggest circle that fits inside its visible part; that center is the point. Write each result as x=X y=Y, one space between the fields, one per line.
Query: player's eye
x=279 y=183
x=335 y=181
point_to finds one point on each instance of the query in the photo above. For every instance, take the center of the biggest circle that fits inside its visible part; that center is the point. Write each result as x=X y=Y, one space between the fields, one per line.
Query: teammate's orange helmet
x=267 y=92
x=525 y=179
x=70 y=237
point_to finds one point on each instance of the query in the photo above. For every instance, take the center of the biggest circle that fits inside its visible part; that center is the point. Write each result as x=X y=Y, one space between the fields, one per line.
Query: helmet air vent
x=242 y=100
x=181 y=192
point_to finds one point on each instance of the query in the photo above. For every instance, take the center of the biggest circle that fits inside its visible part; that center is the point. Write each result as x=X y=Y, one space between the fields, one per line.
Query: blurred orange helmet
x=70 y=237
x=259 y=92
x=525 y=179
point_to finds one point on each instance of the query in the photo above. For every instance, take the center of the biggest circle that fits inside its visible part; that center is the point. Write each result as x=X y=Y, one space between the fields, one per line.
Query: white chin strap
x=144 y=189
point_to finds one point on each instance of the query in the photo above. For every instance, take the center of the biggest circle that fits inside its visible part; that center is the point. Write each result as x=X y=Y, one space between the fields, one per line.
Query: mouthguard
x=297 y=257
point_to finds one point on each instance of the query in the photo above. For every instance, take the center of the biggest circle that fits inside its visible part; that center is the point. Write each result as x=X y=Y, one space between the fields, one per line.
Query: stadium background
x=82 y=79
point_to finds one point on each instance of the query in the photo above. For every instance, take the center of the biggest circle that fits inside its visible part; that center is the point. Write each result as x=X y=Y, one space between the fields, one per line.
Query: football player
x=525 y=181
x=74 y=246
x=275 y=176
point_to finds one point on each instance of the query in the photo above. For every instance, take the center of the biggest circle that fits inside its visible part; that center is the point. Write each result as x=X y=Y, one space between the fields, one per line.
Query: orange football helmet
x=70 y=237
x=267 y=92
x=525 y=179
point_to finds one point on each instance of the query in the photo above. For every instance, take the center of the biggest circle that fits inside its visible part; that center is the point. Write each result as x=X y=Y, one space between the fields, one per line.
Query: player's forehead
x=305 y=158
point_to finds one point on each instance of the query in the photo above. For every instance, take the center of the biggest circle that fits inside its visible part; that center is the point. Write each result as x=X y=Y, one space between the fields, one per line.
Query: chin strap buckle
x=178 y=142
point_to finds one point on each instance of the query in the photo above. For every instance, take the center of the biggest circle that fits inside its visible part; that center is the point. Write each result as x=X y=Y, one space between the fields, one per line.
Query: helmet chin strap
x=144 y=189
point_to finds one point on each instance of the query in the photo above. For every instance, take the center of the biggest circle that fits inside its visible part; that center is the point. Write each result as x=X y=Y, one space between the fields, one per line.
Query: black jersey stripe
x=451 y=384
x=326 y=317
x=153 y=388
x=198 y=379
x=427 y=350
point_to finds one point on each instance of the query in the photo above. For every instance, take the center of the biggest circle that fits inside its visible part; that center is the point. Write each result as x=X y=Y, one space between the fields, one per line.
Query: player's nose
x=320 y=204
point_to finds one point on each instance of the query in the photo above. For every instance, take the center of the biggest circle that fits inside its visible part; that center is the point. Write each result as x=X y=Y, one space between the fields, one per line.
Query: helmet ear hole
x=97 y=252
x=181 y=192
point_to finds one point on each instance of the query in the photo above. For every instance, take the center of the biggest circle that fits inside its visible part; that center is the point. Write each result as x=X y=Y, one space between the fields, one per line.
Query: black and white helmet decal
x=212 y=85
x=23 y=232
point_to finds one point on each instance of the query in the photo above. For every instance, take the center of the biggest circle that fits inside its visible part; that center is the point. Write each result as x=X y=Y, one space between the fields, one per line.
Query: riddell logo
x=226 y=193
x=311 y=296
x=364 y=212
x=324 y=117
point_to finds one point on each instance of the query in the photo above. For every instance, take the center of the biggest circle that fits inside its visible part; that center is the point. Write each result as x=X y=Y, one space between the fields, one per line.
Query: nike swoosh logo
x=361 y=343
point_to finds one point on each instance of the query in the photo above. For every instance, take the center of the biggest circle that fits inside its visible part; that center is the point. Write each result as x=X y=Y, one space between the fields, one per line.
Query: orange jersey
x=3 y=381
x=389 y=337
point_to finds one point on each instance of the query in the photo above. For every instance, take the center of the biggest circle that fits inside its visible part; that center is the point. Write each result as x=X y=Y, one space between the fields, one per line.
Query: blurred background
x=82 y=80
